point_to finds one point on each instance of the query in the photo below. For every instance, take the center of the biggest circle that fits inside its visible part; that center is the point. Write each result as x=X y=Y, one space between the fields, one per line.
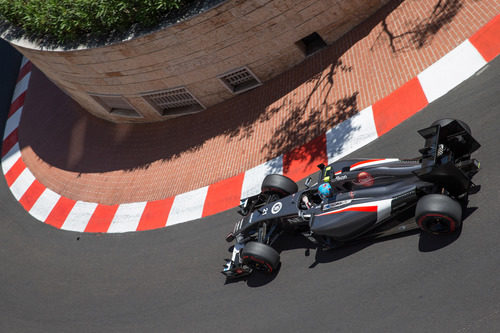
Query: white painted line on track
x=187 y=206
x=44 y=205
x=253 y=177
x=350 y=135
x=451 y=70
x=79 y=216
x=483 y=69
x=22 y=183
x=127 y=217
x=11 y=158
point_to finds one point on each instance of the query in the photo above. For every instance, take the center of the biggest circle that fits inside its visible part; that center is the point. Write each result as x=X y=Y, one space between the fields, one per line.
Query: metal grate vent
x=239 y=80
x=116 y=105
x=173 y=102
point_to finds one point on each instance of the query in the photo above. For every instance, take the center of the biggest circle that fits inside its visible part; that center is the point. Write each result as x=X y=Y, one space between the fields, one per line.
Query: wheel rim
x=260 y=267
x=439 y=226
x=258 y=264
x=437 y=223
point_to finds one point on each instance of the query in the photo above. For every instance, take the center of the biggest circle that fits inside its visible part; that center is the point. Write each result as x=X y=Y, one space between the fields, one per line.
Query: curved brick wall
x=261 y=35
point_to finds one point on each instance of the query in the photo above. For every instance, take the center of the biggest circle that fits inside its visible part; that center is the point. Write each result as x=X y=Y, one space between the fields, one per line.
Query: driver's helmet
x=325 y=190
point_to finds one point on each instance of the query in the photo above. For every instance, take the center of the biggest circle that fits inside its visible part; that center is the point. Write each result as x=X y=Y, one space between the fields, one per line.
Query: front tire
x=279 y=184
x=438 y=214
x=261 y=257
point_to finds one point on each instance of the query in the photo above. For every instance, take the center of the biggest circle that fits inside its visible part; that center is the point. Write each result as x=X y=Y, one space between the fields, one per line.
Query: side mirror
x=308 y=182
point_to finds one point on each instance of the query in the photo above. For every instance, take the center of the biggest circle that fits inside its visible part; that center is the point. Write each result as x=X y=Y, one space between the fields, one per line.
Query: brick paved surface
x=85 y=158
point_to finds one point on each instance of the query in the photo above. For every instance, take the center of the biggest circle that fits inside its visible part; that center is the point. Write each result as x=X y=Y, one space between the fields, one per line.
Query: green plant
x=70 y=20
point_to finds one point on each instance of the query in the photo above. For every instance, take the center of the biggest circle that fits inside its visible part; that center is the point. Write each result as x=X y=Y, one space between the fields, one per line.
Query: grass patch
x=68 y=21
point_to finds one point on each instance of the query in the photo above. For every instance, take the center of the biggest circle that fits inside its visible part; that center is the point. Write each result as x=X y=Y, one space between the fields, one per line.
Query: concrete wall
x=259 y=34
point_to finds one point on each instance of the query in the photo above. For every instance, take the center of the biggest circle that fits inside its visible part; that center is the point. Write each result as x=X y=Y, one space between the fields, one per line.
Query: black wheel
x=279 y=184
x=260 y=256
x=438 y=214
x=446 y=121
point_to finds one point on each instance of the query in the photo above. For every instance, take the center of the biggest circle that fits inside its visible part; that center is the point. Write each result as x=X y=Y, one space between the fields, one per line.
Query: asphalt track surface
x=168 y=280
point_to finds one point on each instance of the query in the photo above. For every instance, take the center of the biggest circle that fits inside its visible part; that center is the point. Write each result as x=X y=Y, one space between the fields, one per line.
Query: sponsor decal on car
x=336 y=204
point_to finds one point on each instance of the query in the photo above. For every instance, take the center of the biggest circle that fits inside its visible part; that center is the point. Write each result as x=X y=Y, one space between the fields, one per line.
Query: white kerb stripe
x=24 y=62
x=350 y=135
x=127 y=217
x=22 y=183
x=187 y=206
x=79 y=216
x=44 y=205
x=451 y=70
x=21 y=86
x=12 y=122
x=11 y=158
x=253 y=177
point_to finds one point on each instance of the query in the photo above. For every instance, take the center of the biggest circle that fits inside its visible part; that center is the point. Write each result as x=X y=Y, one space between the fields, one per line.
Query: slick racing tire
x=279 y=184
x=446 y=121
x=260 y=256
x=438 y=214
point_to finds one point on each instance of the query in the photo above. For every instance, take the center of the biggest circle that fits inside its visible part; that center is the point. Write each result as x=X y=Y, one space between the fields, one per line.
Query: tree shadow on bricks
x=420 y=33
x=305 y=122
x=65 y=136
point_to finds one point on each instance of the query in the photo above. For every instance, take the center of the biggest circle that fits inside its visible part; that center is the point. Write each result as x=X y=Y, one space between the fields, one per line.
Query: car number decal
x=276 y=207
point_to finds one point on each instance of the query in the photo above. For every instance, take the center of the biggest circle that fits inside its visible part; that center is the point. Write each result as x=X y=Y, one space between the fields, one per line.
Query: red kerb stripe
x=101 y=218
x=9 y=142
x=223 y=195
x=400 y=105
x=60 y=212
x=487 y=39
x=303 y=161
x=24 y=70
x=32 y=194
x=15 y=171
x=155 y=214
x=14 y=106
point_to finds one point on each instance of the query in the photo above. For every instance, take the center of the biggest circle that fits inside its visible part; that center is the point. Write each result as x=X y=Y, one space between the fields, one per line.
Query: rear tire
x=438 y=214
x=279 y=184
x=261 y=257
x=446 y=121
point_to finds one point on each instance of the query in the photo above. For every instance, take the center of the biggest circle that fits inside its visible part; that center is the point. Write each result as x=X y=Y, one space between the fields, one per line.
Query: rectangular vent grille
x=175 y=101
x=116 y=105
x=239 y=80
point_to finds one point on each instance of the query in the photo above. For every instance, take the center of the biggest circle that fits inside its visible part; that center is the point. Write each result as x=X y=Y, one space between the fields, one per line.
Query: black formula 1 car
x=368 y=194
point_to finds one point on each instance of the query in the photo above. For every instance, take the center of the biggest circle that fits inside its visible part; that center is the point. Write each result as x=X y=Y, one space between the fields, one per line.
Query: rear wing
x=453 y=136
x=445 y=148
